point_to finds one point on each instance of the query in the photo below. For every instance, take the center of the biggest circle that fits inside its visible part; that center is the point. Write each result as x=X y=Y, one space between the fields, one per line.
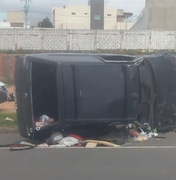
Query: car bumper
x=3 y=96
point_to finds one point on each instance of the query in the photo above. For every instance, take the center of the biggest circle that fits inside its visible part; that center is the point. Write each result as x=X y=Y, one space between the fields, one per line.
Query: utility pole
x=26 y=11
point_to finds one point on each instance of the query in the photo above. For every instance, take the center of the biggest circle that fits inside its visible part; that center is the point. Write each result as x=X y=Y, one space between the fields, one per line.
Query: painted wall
x=157 y=15
x=79 y=17
x=15 y=16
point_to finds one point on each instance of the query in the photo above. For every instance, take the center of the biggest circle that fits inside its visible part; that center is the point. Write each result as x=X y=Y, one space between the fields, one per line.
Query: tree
x=45 y=23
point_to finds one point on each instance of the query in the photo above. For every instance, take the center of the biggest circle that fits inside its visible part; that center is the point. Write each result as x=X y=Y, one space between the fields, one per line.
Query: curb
x=110 y=148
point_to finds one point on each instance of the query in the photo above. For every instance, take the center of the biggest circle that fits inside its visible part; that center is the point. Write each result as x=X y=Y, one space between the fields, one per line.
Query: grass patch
x=8 y=80
x=8 y=124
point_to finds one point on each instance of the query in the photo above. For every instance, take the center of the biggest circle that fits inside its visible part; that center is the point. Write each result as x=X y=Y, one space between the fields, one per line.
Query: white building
x=12 y=25
x=13 y=20
x=78 y=17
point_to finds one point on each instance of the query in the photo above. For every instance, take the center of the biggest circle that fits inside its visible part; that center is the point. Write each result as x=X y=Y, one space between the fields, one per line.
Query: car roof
x=82 y=57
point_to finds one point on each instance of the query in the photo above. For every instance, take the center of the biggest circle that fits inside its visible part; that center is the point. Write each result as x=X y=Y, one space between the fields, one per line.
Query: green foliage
x=45 y=23
x=8 y=124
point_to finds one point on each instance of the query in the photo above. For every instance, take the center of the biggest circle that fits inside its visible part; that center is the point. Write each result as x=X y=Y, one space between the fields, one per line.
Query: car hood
x=2 y=84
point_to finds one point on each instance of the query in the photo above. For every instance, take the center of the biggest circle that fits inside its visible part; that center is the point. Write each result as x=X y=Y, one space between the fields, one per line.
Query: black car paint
x=3 y=94
x=164 y=68
x=141 y=76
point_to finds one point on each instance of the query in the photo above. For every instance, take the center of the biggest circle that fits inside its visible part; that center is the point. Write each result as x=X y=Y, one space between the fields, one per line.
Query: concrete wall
x=142 y=21
x=158 y=15
x=162 y=14
x=52 y=39
x=4 y=24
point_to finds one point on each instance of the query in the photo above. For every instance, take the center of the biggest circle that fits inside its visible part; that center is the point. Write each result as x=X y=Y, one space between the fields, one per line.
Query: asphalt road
x=90 y=164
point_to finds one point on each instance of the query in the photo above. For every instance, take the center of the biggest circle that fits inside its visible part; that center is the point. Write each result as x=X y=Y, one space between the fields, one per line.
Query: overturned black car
x=62 y=90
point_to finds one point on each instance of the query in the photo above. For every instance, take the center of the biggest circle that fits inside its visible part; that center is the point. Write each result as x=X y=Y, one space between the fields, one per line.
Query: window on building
x=54 y=17
x=85 y=13
x=16 y=24
x=120 y=18
x=96 y=17
x=73 y=13
x=108 y=14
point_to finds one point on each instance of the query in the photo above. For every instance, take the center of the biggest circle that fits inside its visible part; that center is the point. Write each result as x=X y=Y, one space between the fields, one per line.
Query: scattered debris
x=133 y=133
x=9 y=119
x=21 y=146
x=43 y=145
x=62 y=140
x=105 y=143
x=68 y=141
x=27 y=143
x=73 y=138
x=11 y=97
x=141 y=138
x=54 y=138
x=44 y=120
x=152 y=134
x=91 y=145
x=141 y=132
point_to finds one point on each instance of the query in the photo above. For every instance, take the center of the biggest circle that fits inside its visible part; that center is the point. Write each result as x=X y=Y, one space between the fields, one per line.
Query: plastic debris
x=105 y=143
x=27 y=143
x=21 y=146
x=44 y=120
x=9 y=119
x=66 y=142
x=11 y=97
x=141 y=138
x=91 y=145
x=43 y=145
x=133 y=133
x=57 y=140
x=141 y=132
x=152 y=134
x=54 y=138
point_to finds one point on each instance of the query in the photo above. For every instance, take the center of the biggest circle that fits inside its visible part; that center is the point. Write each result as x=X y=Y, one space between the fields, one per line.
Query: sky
x=2 y=16
x=43 y=8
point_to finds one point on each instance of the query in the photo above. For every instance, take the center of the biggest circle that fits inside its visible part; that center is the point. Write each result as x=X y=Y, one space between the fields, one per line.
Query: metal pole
x=26 y=20
x=26 y=11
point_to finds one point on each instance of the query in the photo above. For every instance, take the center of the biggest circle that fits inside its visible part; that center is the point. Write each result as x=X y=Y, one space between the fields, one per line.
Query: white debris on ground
x=9 y=119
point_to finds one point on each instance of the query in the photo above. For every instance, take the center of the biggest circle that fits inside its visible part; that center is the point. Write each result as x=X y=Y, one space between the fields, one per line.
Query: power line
x=68 y=14
x=13 y=11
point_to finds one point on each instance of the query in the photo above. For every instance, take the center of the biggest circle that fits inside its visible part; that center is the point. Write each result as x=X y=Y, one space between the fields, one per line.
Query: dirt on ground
x=8 y=106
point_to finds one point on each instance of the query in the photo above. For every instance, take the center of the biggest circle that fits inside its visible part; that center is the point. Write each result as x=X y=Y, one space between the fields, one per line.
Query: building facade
x=13 y=20
x=95 y=15
x=157 y=15
x=16 y=16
